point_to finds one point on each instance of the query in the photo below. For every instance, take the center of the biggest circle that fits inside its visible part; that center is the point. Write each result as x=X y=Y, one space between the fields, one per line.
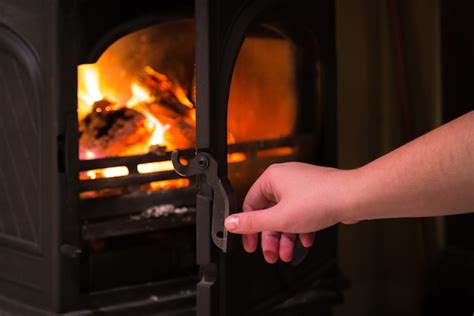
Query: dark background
x=403 y=266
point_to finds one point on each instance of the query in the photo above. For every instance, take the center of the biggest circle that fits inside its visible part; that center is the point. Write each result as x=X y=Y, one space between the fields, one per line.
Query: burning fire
x=88 y=89
x=158 y=113
x=106 y=125
x=109 y=128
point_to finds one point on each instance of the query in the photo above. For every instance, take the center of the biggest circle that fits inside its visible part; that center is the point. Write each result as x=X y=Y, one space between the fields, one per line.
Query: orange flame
x=89 y=93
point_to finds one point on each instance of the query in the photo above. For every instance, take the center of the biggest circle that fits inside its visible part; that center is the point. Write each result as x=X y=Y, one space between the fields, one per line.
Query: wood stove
x=130 y=129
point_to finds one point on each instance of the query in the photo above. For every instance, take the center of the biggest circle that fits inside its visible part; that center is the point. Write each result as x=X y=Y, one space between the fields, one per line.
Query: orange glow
x=115 y=172
x=276 y=152
x=88 y=91
x=155 y=167
x=230 y=139
x=168 y=165
x=236 y=157
x=112 y=172
x=158 y=130
x=169 y=184
x=150 y=121
x=139 y=94
x=262 y=99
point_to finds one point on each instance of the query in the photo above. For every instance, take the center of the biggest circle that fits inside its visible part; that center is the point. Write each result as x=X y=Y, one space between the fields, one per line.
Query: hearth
x=130 y=129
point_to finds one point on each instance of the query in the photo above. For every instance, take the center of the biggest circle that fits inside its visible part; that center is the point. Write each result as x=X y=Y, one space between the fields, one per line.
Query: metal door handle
x=223 y=201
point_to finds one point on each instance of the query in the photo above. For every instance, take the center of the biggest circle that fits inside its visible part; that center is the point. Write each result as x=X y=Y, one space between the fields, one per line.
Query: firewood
x=107 y=132
x=182 y=128
x=181 y=135
x=165 y=91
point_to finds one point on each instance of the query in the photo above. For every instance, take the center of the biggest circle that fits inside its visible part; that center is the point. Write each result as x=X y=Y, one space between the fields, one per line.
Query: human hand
x=290 y=199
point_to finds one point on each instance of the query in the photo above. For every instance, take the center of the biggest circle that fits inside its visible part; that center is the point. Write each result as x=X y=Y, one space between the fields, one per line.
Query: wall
x=386 y=261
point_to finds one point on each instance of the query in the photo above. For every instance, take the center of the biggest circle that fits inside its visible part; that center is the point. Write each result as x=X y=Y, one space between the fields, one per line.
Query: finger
x=250 y=242
x=269 y=219
x=261 y=194
x=270 y=246
x=257 y=198
x=307 y=239
x=287 y=246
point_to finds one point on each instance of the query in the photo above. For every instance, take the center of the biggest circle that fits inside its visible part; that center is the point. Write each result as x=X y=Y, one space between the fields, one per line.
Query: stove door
x=239 y=135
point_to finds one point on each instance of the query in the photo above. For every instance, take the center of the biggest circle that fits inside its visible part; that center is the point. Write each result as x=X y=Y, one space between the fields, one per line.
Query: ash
x=160 y=210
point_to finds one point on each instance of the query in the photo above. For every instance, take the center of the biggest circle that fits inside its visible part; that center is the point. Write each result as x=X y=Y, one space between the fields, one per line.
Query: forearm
x=432 y=175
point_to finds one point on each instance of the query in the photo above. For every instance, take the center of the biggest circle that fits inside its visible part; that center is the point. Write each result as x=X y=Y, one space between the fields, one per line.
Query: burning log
x=181 y=134
x=159 y=113
x=181 y=131
x=171 y=106
x=107 y=132
x=165 y=91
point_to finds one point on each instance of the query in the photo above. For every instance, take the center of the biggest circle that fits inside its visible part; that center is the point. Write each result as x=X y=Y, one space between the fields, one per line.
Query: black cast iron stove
x=130 y=129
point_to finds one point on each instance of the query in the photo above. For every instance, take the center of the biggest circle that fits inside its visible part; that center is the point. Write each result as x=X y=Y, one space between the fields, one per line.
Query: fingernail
x=270 y=256
x=232 y=223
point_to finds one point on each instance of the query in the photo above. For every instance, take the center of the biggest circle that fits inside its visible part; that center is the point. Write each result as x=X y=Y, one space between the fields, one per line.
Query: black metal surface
x=135 y=202
x=34 y=102
x=136 y=259
x=138 y=223
x=154 y=298
x=54 y=36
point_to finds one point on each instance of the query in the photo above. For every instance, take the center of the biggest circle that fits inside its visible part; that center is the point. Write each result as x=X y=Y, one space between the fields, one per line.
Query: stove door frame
x=220 y=31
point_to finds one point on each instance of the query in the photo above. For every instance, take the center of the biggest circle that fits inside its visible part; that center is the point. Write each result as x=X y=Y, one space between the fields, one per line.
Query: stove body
x=64 y=254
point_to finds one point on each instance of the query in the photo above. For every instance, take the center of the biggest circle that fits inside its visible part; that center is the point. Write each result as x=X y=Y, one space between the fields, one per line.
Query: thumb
x=255 y=221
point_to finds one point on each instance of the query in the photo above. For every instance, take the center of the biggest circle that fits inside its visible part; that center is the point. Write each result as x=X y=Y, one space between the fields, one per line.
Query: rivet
x=203 y=162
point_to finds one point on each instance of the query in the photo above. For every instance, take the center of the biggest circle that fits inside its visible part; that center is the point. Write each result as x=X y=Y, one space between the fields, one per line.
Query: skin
x=430 y=176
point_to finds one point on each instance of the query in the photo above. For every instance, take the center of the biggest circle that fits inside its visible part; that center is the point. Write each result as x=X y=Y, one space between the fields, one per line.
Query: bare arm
x=433 y=175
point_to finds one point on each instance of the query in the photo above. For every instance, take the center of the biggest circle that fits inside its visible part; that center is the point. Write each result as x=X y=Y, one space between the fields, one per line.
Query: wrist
x=353 y=196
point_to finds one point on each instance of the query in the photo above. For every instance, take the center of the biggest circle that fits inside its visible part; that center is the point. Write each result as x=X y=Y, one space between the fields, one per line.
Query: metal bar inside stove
x=98 y=184
x=131 y=163
x=86 y=165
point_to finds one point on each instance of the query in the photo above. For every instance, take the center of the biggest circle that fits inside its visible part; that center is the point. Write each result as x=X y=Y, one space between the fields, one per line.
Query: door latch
x=223 y=199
